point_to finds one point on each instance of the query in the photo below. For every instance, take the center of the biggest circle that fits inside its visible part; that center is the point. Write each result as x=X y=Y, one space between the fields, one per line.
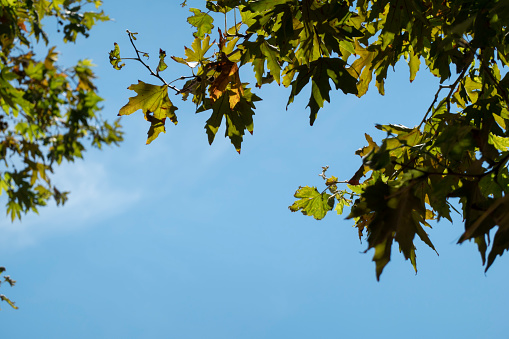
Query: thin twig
x=147 y=66
x=431 y=106
x=448 y=97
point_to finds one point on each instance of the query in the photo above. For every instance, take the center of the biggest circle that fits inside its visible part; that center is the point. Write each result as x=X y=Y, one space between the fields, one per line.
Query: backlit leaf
x=202 y=22
x=150 y=99
x=162 y=65
x=115 y=59
x=312 y=203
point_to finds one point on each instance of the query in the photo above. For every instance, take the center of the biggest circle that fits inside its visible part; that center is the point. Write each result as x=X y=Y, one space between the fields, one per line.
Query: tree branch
x=147 y=66
x=448 y=97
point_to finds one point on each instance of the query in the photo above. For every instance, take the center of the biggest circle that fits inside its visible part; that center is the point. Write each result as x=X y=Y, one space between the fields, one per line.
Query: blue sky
x=180 y=239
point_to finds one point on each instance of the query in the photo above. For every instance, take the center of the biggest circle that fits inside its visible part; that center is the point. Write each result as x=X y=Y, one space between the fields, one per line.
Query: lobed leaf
x=156 y=106
x=312 y=203
x=202 y=22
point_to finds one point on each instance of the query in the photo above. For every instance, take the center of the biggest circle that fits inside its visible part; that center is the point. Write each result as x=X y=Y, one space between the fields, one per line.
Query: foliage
x=459 y=149
x=47 y=112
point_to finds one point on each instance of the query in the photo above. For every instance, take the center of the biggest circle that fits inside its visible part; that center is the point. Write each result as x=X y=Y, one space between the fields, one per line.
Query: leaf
x=342 y=202
x=115 y=59
x=238 y=119
x=4 y=298
x=162 y=65
x=202 y=21
x=213 y=123
x=132 y=35
x=9 y=280
x=198 y=49
x=372 y=147
x=500 y=244
x=191 y=64
x=312 y=203
x=362 y=68
x=229 y=75
x=396 y=215
x=156 y=127
x=500 y=143
x=155 y=104
x=331 y=181
x=382 y=255
x=413 y=63
x=271 y=55
x=150 y=99
x=320 y=72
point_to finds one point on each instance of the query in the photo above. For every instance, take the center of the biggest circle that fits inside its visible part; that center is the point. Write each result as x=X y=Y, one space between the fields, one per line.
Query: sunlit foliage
x=459 y=147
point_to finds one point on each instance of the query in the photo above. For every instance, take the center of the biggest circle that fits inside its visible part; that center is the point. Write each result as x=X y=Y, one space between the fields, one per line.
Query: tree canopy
x=49 y=113
x=458 y=150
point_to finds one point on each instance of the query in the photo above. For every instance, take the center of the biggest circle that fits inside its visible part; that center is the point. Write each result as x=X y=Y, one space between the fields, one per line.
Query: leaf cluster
x=460 y=148
x=47 y=114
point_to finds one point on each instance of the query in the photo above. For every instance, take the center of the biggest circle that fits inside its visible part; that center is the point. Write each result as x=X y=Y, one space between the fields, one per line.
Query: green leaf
x=202 y=21
x=115 y=59
x=198 y=50
x=413 y=63
x=150 y=99
x=155 y=104
x=312 y=203
x=271 y=55
x=500 y=143
x=372 y=147
x=361 y=68
x=342 y=202
x=162 y=65
x=321 y=71
x=7 y=300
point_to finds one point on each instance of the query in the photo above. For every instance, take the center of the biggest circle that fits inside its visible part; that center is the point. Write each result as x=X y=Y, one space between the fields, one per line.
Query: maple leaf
x=202 y=21
x=320 y=71
x=156 y=106
x=396 y=218
x=271 y=54
x=198 y=49
x=361 y=68
x=312 y=203
x=238 y=119
x=150 y=98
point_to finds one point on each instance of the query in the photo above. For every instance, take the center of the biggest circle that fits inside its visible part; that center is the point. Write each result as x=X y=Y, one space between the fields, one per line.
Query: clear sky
x=180 y=239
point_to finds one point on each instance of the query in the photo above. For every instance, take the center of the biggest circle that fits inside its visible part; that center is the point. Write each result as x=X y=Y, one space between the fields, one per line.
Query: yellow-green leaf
x=312 y=203
x=150 y=98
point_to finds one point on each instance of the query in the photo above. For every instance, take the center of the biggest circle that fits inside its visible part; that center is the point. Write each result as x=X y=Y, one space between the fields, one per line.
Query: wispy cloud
x=95 y=195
